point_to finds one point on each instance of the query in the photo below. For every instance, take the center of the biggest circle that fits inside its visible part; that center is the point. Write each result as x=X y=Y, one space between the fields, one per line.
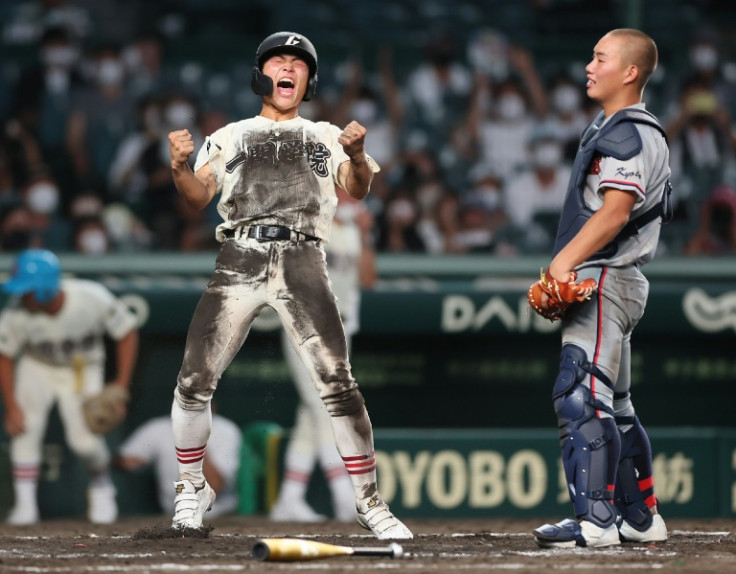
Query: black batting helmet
x=284 y=42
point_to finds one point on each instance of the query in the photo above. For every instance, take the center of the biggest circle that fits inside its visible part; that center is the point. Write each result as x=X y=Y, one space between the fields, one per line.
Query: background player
x=52 y=351
x=351 y=266
x=616 y=201
x=153 y=443
x=276 y=174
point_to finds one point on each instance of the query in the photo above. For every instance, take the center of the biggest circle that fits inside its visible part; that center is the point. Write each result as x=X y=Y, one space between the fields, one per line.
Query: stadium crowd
x=474 y=137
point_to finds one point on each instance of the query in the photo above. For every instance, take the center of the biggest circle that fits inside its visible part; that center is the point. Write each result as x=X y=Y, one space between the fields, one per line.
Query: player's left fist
x=352 y=139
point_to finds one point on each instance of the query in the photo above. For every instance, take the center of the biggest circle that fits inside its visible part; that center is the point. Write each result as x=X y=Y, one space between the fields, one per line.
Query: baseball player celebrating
x=616 y=201
x=276 y=175
x=52 y=351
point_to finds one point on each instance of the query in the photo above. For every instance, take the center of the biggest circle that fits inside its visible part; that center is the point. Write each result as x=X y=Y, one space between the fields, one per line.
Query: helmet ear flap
x=260 y=83
x=311 y=88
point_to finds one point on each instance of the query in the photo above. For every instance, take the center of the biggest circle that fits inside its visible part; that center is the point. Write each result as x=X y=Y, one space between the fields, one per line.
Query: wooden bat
x=293 y=549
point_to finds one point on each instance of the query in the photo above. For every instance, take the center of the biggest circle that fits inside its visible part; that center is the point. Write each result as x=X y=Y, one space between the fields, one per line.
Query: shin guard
x=634 y=479
x=589 y=442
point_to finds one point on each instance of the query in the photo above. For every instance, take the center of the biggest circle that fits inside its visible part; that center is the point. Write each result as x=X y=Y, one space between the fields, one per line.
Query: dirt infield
x=702 y=546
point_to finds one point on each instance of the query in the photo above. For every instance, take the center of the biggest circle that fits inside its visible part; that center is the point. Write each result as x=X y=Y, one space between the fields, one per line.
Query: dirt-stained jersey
x=276 y=173
x=76 y=332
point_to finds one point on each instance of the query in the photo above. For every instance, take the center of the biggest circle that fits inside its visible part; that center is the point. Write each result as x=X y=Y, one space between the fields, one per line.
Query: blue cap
x=37 y=271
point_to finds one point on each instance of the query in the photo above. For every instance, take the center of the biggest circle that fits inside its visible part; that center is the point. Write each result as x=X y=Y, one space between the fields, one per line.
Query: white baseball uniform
x=61 y=358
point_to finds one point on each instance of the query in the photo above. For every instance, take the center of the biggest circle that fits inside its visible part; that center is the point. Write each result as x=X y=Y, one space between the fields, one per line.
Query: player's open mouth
x=285 y=87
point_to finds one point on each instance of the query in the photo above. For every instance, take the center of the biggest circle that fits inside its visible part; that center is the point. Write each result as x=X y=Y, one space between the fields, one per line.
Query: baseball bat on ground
x=293 y=549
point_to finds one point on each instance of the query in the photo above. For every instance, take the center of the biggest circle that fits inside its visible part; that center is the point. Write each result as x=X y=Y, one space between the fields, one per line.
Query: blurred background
x=473 y=110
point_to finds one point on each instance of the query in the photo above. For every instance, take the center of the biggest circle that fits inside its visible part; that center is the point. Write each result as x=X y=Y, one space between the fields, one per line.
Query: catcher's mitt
x=105 y=411
x=560 y=295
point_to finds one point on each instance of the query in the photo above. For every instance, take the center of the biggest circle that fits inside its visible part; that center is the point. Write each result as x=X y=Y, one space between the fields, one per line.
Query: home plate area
x=226 y=544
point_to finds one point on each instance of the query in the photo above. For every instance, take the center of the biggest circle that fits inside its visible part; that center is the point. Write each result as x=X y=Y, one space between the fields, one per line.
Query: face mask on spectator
x=704 y=58
x=488 y=53
x=547 y=154
x=43 y=198
x=93 y=242
x=180 y=114
x=57 y=80
x=401 y=211
x=511 y=107
x=110 y=72
x=565 y=99
x=488 y=195
x=59 y=56
x=364 y=111
x=132 y=58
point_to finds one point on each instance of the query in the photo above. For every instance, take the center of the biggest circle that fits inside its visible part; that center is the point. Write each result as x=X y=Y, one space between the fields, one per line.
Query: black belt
x=269 y=233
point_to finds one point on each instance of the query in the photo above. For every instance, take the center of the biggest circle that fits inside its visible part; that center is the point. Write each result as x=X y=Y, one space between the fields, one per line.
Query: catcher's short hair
x=287 y=43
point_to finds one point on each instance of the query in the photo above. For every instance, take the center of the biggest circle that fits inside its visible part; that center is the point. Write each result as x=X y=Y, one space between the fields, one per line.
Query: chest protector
x=619 y=138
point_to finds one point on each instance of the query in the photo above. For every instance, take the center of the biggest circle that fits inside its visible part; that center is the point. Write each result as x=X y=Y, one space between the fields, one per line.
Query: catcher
x=617 y=199
x=52 y=351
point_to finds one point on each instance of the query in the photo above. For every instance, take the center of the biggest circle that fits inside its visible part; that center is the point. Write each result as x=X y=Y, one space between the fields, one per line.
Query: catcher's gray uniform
x=592 y=390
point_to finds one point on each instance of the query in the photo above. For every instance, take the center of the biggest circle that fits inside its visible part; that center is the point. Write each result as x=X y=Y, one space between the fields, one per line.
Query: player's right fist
x=181 y=145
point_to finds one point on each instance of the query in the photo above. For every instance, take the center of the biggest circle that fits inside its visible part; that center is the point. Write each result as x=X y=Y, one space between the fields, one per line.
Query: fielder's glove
x=560 y=295
x=105 y=411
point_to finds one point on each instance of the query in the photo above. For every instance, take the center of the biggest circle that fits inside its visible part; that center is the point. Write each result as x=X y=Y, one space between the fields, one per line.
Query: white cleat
x=294 y=511
x=381 y=521
x=23 y=515
x=657 y=532
x=570 y=533
x=102 y=508
x=190 y=504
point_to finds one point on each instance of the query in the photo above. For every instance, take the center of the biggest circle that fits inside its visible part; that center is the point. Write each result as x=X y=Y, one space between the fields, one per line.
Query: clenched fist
x=181 y=145
x=352 y=139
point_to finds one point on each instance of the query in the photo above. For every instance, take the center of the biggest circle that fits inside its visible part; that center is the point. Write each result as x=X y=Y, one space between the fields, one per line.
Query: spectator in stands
x=533 y=198
x=398 y=224
x=502 y=116
x=153 y=444
x=90 y=236
x=43 y=97
x=102 y=116
x=701 y=144
x=568 y=112
x=41 y=197
x=126 y=232
x=438 y=93
x=375 y=105
x=143 y=58
x=137 y=161
x=29 y=20
x=475 y=228
x=716 y=234
x=707 y=67
x=16 y=230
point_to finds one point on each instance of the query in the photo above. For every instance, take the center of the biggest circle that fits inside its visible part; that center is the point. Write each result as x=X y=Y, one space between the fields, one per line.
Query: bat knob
x=260 y=550
x=396 y=549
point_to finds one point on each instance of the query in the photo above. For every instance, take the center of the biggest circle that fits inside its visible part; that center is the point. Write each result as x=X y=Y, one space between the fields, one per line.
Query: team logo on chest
x=286 y=152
